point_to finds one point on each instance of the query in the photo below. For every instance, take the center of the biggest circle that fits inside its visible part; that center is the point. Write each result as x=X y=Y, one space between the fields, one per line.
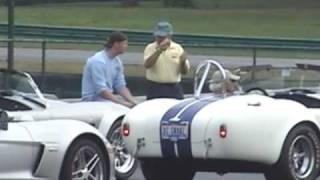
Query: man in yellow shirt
x=165 y=61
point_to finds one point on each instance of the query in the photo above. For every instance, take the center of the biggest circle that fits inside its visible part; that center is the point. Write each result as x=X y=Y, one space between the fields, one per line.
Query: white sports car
x=276 y=133
x=21 y=97
x=58 y=149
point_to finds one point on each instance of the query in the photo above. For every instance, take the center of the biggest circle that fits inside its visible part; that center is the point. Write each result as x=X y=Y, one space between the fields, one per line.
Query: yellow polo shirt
x=167 y=67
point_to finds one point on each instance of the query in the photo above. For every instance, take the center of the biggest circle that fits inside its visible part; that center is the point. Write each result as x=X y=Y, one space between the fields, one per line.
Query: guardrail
x=143 y=37
x=58 y=34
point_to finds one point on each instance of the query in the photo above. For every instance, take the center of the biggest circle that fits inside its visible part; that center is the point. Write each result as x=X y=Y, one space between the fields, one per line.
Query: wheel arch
x=96 y=139
x=119 y=119
x=57 y=140
x=308 y=123
x=282 y=168
x=108 y=121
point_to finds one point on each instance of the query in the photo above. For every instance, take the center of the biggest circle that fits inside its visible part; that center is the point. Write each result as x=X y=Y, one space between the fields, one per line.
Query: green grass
x=290 y=22
x=255 y=4
x=222 y=17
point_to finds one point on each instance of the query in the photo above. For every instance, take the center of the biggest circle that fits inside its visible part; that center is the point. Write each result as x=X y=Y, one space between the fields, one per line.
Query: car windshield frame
x=280 y=78
x=16 y=82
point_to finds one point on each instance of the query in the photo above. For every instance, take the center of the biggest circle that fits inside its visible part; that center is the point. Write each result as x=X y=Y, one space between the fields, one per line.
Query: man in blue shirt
x=103 y=74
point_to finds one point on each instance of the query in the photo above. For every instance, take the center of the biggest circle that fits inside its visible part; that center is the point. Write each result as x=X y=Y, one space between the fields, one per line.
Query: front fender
x=57 y=136
x=111 y=114
x=100 y=114
x=295 y=118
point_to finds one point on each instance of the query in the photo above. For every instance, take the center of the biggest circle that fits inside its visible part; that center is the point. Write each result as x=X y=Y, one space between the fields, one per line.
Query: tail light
x=125 y=129
x=223 y=131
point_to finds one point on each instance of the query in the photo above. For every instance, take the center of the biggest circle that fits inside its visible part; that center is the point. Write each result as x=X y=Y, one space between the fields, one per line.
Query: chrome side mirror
x=4 y=120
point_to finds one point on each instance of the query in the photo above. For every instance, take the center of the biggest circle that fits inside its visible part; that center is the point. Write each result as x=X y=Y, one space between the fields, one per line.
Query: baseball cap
x=163 y=29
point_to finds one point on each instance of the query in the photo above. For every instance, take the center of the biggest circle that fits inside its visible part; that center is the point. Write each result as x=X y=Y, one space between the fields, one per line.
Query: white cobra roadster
x=276 y=135
x=56 y=150
x=20 y=96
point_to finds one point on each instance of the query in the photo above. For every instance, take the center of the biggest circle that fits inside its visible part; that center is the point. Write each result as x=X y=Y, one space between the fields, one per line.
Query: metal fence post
x=43 y=63
x=254 y=63
x=10 y=34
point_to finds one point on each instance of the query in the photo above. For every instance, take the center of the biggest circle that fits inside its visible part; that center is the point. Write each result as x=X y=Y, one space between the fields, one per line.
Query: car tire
x=167 y=169
x=300 y=156
x=82 y=155
x=124 y=164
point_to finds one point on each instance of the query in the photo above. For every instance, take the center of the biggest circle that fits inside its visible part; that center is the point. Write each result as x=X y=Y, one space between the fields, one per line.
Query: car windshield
x=300 y=77
x=16 y=82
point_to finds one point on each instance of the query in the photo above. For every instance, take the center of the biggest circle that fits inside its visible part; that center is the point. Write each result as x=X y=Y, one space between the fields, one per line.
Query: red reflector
x=223 y=131
x=125 y=130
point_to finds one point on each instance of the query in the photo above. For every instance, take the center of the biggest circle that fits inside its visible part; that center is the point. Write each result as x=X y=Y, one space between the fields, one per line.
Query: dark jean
x=164 y=90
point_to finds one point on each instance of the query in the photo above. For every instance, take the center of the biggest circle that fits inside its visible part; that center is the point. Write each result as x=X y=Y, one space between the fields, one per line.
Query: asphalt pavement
x=134 y=58
x=130 y=58
x=211 y=176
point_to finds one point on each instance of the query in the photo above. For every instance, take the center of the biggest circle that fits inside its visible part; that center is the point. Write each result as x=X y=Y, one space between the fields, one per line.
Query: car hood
x=90 y=112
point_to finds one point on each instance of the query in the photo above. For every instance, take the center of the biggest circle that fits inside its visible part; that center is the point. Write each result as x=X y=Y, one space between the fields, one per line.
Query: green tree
x=130 y=2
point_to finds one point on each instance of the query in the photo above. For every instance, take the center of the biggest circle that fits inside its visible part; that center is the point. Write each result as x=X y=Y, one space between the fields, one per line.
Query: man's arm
x=110 y=96
x=151 y=60
x=126 y=94
x=121 y=88
x=102 y=88
x=184 y=64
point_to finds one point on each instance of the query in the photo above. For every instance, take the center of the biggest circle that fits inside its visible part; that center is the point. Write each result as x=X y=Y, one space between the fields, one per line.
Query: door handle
x=255 y=104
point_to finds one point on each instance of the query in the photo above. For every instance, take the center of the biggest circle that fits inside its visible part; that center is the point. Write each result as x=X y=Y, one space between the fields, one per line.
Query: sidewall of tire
x=118 y=175
x=66 y=170
x=282 y=170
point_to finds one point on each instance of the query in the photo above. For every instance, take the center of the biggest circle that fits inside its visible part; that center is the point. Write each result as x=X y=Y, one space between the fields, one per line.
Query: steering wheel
x=257 y=90
x=206 y=65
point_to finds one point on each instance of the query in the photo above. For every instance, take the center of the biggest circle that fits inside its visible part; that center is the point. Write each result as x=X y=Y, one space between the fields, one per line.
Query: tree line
x=166 y=3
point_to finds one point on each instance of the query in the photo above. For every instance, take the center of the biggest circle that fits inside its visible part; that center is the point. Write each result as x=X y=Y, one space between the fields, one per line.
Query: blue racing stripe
x=184 y=146
x=167 y=146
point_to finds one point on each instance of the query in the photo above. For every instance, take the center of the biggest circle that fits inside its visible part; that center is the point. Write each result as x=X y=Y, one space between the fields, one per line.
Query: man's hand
x=128 y=104
x=161 y=46
x=164 y=44
x=184 y=68
x=126 y=94
x=183 y=58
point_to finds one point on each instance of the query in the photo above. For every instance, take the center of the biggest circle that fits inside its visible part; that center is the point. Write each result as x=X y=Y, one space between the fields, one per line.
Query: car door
x=15 y=152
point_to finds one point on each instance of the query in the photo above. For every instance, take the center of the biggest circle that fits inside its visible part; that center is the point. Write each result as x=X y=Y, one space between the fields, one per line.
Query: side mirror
x=4 y=120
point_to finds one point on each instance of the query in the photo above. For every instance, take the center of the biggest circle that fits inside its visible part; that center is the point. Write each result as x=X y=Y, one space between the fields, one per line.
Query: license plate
x=174 y=132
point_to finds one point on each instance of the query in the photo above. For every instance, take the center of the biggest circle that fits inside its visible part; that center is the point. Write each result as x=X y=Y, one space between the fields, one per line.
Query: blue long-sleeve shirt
x=101 y=73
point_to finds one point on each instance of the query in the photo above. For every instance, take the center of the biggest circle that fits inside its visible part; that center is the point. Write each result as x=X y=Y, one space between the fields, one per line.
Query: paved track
x=212 y=176
x=80 y=56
